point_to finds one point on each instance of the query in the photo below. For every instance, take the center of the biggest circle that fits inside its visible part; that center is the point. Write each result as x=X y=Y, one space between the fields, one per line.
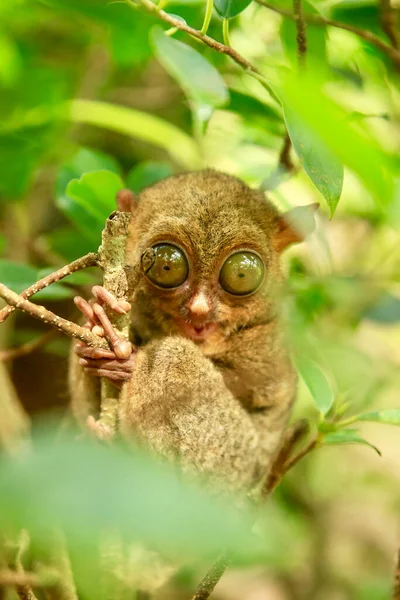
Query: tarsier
x=207 y=380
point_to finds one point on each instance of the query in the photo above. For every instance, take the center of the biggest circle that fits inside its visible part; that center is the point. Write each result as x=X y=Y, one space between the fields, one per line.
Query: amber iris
x=169 y=267
x=242 y=273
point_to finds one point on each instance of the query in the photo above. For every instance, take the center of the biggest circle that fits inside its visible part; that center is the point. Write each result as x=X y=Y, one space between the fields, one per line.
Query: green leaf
x=69 y=243
x=199 y=79
x=389 y=416
x=317 y=382
x=140 y=125
x=95 y=193
x=348 y=436
x=19 y=276
x=83 y=161
x=231 y=8
x=147 y=173
x=319 y=162
x=322 y=123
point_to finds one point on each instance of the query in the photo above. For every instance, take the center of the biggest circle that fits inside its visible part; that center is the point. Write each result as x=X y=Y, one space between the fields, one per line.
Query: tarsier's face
x=169 y=268
x=206 y=253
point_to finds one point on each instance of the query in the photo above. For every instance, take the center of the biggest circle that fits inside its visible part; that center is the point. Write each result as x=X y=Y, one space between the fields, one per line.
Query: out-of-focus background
x=91 y=85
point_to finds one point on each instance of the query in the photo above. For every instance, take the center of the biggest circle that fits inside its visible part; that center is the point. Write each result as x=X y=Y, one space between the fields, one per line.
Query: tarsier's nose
x=199 y=305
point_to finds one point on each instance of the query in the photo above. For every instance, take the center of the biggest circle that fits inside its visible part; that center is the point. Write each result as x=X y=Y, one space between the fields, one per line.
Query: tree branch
x=27 y=348
x=89 y=260
x=46 y=316
x=373 y=39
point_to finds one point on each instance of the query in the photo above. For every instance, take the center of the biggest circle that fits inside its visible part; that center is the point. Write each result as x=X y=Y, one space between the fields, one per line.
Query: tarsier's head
x=205 y=249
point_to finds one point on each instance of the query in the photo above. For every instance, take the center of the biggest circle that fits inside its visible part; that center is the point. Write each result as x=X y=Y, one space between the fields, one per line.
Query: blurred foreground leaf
x=348 y=436
x=86 y=489
x=385 y=310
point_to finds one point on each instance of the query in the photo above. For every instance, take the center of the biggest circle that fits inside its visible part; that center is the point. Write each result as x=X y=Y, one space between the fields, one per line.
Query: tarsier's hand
x=116 y=364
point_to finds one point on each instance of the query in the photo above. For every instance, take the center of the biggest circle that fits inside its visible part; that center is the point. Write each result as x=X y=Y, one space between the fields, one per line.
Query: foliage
x=97 y=95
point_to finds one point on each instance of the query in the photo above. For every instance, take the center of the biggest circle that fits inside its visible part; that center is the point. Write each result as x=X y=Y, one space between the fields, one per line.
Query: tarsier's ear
x=294 y=226
x=126 y=200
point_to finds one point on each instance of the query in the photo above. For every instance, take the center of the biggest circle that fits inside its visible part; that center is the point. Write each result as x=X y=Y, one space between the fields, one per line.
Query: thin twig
x=396 y=590
x=46 y=316
x=89 y=260
x=292 y=437
x=389 y=22
x=373 y=39
x=212 y=577
x=206 y=39
x=301 y=35
x=29 y=347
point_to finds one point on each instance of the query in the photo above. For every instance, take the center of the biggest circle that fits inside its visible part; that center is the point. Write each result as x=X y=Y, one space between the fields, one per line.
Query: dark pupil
x=241 y=275
x=166 y=268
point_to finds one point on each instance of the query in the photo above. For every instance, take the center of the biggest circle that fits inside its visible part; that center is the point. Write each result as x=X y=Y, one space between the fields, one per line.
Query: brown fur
x=219 y=406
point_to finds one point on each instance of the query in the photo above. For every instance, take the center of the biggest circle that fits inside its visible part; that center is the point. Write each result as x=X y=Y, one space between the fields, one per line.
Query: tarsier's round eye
x=241 y=273
x=167 y=265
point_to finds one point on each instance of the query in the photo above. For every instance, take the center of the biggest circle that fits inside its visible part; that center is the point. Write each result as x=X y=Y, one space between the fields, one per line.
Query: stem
x=207 y=16
x=373 y=39
x=225 y=32
x=89 y=260
x=389 y=23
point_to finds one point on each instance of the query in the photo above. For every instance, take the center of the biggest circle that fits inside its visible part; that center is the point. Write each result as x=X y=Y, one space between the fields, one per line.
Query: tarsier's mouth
x=196 y=332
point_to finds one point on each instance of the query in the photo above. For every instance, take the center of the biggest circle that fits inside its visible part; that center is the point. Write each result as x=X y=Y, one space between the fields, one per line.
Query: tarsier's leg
x=177 y=402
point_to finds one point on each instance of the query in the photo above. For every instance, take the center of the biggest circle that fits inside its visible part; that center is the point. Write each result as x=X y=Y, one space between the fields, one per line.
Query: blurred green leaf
x=389 y=416
x=147 y=173
x=199 y=79
x=360 y=13
x=348 y=436
x=231 y=8
x=320 y=163
x=385 y=310
x=96 y=193
x=83 y=161
x=317 y=382
x=68 y=483
x=10 y=61
x=141 y=125
x=70 y=243
x=19 y=276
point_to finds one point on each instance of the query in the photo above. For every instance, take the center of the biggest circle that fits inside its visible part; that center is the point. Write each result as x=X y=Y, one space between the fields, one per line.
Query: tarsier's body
x=211 y=383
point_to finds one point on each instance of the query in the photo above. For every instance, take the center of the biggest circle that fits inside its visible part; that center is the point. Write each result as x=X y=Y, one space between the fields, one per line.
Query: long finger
x=85 y=308
x=111 y=365
x=113 y=375
x=103 y=296
x=121 y=347
x=94 y=353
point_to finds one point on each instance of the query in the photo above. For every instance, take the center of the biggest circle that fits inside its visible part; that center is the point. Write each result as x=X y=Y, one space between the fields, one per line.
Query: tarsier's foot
x=117 y=363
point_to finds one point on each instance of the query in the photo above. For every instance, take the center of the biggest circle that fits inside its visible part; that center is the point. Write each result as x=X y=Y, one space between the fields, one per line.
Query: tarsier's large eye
x=165 y=265
x=242 y=273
